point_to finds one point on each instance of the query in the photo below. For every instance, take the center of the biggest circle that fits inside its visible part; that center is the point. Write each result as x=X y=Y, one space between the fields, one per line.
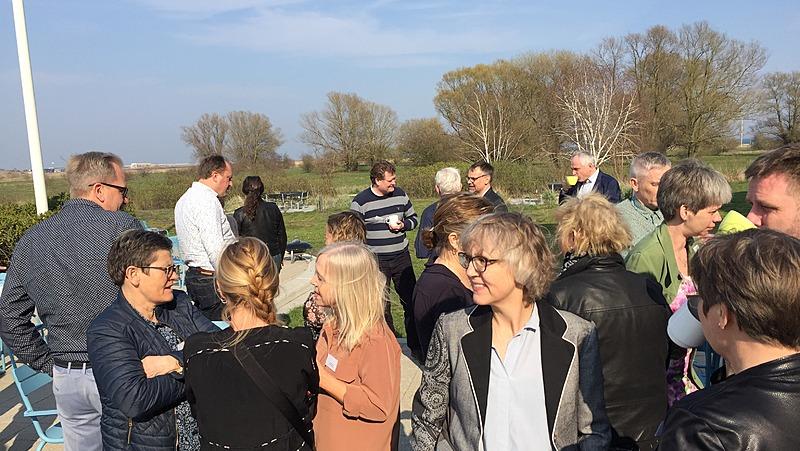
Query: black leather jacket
x=631 y=317
x=267 y=226
x=753 y=410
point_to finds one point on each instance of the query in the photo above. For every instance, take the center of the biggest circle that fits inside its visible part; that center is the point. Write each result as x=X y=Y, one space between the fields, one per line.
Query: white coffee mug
x=393 y=220
x=684 y=329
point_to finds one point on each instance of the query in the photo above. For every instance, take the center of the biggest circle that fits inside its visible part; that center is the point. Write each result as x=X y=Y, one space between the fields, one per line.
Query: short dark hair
x=756 y=275
x=783 y=160
x=211 y=164
x=134 y=247
x=379 y=169
x=485 y=167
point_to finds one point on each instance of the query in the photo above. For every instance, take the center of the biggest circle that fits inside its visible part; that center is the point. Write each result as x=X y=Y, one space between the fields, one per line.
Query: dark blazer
x=753 y=410
x=449 y=408
x=138 y=411
x=437 y=291
x=496 y=200
x=267 y=226
x=605 y=185
x=425 y=222
x=631 y=317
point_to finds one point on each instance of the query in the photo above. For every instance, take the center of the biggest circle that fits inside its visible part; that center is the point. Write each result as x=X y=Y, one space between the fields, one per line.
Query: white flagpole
x=29 y=101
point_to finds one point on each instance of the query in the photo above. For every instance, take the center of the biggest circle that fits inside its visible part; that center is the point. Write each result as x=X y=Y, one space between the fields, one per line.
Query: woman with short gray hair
x=689 y=196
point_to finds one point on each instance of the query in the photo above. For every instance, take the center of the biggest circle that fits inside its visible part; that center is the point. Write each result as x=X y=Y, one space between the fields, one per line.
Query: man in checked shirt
x=58 y=270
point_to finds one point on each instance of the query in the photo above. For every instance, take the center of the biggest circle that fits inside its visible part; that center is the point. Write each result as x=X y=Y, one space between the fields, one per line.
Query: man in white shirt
x=203 y=232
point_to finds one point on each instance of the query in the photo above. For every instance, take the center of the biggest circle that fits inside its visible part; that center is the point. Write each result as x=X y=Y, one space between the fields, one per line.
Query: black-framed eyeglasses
x=472 y=179
x=478 y=262
x=122 y=189
x=170 y=270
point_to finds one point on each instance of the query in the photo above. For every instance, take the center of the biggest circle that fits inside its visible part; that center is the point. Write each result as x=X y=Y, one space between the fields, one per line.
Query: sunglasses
x=122 y=189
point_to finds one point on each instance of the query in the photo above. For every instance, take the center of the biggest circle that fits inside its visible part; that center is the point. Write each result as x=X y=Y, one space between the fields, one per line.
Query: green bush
x=15 y=220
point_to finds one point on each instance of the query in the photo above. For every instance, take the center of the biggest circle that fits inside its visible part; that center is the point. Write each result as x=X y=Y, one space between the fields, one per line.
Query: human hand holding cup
x=394 y=222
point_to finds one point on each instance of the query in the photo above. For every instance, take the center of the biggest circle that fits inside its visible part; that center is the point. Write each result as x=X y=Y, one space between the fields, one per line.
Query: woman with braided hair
x=254 y=383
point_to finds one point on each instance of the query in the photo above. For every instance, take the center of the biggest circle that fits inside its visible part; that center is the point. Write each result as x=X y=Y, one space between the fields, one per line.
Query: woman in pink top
x=357 y=354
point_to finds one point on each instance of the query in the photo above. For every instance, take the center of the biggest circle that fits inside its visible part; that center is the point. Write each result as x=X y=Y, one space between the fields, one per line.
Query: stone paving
x=17 y=433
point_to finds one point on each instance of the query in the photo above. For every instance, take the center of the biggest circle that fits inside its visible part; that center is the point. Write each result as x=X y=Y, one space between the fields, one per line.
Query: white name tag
x=180 y=346
x=331 y=362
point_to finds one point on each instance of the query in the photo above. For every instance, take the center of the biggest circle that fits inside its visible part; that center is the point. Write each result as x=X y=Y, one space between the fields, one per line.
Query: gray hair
x=448 y=180
x=85 y=169
x=585 y=158
x=693 y=184
x=644 y=162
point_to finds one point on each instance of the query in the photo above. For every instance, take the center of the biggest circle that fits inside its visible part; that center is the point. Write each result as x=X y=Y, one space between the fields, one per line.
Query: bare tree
x=484 y=105
x=781 y=105
x=425 y=141
x=717 y=84
x=600 y=116
x=349 y=129
x=252 y=140
x=207 y=136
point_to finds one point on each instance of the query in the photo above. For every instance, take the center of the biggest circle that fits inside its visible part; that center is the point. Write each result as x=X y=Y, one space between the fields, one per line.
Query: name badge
x=331 y=362
x=180 y=346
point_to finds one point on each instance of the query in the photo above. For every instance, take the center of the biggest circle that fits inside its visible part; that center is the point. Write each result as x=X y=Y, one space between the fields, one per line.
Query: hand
x=398 y=226
x=159 y=365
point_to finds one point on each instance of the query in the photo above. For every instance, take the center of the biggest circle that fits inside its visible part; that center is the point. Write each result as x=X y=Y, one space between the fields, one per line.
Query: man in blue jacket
x=590 y=179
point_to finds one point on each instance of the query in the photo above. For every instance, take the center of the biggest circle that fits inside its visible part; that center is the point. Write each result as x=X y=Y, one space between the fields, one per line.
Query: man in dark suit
x=479 y=181
x=590 y=179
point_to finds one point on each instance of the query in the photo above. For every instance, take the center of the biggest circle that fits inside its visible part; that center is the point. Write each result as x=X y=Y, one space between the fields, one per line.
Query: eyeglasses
x=478 y=262
x=122 y=189
x=472 y=179
x=168 y=270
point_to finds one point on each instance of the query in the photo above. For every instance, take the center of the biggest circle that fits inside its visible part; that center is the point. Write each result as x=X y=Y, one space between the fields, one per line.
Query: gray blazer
x=450 y=406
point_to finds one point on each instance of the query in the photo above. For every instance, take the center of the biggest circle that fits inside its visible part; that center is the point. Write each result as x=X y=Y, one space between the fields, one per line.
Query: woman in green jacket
x=689 y=196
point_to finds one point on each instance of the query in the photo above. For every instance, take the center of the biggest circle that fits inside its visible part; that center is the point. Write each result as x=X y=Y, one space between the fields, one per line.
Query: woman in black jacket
x=628 y=309
x=443 y=286
x=230 y=404
x=135 y=349
x=261 y=219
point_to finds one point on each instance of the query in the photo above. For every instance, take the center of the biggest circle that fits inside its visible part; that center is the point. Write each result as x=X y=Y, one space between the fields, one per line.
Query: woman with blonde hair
x=343 y=226
x=357 y=354
x=254 y=383
x=628 y=309
x=510 y=372
x=443 y=286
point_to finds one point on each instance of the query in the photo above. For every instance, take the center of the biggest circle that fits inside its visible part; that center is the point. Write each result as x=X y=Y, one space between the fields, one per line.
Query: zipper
x=177 y=431
x=130 y=429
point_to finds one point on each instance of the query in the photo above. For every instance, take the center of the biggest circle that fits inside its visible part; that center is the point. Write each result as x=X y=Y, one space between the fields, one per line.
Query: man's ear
x=634 y=184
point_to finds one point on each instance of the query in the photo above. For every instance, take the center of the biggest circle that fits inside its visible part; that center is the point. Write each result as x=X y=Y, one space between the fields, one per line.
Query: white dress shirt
x=516 y=419
x=588 y=185
x=202 y=227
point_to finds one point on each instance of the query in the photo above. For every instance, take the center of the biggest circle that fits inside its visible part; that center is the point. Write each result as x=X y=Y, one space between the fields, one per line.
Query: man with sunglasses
x=58 y=271
x=203 y=231
x=479 y=181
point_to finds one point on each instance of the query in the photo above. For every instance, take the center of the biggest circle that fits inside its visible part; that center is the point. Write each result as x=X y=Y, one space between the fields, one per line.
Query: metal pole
x=28 y=99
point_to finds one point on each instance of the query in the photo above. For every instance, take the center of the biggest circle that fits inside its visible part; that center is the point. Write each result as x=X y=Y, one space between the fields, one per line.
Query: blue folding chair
x=176 y=260
x=28 y=381
x=221 y=324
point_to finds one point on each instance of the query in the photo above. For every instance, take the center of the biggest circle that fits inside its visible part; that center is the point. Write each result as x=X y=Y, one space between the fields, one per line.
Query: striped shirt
x=375 y=210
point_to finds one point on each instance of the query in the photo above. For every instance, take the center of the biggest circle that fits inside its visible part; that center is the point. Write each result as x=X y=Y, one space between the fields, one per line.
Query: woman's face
x=323 y=289
x=702 y=222
x=495 y=283
x=155 y=283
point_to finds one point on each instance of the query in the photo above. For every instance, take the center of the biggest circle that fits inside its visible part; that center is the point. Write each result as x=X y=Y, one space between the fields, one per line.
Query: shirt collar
x=643 y=209
x=203 y=186
x=533 y=323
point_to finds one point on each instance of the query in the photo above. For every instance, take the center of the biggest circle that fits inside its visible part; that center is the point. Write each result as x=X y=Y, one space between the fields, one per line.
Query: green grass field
x=162 y=189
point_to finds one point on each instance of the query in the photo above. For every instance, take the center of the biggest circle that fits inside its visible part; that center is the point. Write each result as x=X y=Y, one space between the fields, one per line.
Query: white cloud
x=356 y=36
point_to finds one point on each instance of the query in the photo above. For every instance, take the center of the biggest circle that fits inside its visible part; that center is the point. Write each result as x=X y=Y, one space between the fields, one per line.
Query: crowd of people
x=525 y=343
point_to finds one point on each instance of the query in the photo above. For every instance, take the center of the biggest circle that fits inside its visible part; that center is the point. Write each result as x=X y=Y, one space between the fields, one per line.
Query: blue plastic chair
x=176 y=260
x=28 y=381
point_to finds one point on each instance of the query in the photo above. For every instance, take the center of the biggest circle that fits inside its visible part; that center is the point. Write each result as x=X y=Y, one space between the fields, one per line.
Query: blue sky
x=125 y=75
